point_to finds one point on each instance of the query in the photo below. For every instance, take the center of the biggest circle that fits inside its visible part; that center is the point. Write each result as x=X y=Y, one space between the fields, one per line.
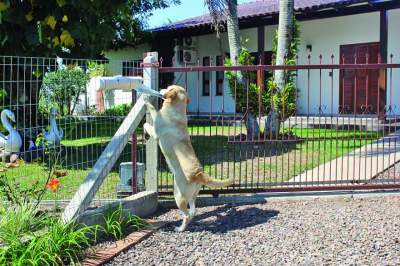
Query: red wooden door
x=360 y=89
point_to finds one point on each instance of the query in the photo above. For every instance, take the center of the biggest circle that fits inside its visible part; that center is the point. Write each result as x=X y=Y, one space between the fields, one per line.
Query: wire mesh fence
x=333 y=127
x=54 y=117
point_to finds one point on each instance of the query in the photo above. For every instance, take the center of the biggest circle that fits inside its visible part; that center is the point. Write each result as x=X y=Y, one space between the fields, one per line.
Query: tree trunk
x=252 y=127
x=232 y=23
x=285 y=29
x=284 y=38
x=228 y=9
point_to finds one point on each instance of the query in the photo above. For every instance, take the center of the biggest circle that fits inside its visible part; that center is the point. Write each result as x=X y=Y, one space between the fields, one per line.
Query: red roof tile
x=260 y=8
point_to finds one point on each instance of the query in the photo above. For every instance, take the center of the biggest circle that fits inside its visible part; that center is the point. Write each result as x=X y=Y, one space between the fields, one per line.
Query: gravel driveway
x=318 y=232
x=391 y=173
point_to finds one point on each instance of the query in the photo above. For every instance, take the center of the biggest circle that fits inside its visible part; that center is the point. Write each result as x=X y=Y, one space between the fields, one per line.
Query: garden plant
x=252 y=101
x=31 y=235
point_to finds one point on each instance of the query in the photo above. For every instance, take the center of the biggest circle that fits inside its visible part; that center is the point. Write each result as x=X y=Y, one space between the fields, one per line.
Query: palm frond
x=217 y=9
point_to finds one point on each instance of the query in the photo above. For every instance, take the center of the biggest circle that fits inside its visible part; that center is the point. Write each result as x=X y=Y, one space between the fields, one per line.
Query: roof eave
x=327 y=10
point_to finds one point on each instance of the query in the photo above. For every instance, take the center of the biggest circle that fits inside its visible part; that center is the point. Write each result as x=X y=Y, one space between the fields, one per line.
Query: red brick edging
x=101 y=256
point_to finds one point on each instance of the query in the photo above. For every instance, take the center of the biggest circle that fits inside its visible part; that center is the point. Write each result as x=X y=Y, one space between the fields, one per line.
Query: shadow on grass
x=217 y=149
x=84 y=144
x=228 y=218
x=86 y=139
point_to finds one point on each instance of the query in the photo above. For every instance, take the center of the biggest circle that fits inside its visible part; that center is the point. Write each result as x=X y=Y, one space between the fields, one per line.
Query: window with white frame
x=206 y=77
x=219 y=77
x=132 y=68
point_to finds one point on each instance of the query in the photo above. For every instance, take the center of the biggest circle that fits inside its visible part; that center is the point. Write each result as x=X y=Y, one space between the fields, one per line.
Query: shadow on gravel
x=228 y=218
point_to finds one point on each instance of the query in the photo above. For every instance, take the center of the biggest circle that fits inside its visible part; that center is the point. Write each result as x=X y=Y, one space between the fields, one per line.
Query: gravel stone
x=320 y=232
x=391 y=174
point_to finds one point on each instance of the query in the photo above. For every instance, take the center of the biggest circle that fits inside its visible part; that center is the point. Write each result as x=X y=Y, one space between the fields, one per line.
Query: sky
x=187 y=9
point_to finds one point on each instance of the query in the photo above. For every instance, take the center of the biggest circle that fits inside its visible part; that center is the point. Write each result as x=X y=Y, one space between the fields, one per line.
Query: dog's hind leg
x=192 y=208
x=182 y=205
x=192 y=202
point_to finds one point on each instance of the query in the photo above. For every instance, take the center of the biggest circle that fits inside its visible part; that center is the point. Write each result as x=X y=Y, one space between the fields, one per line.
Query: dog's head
x=175 y=93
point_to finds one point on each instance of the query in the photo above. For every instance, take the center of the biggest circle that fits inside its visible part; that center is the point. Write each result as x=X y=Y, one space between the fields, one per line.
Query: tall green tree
x=81 y=28
x=225 y=12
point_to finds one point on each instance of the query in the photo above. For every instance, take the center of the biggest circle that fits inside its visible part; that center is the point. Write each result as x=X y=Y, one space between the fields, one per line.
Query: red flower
x=53 y=184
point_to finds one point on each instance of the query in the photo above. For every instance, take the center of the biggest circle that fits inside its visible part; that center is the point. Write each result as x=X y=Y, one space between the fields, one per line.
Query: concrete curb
x=143 y=204
x=279 y=197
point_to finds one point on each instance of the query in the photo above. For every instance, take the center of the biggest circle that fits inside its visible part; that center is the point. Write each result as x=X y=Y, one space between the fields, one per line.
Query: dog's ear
x=171 y=94
x=187 y=100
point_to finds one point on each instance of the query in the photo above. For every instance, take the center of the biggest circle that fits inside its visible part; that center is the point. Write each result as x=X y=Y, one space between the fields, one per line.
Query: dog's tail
x=204 y=179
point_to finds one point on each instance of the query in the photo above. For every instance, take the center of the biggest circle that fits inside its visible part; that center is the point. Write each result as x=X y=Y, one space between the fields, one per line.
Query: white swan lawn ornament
x=55 y=134
x=12 y=142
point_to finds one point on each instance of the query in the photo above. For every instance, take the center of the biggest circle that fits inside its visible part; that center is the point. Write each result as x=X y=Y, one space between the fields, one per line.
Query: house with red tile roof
x=331 y=31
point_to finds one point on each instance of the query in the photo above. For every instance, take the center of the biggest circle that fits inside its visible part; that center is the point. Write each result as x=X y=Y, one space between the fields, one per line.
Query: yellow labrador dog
x=170 y=129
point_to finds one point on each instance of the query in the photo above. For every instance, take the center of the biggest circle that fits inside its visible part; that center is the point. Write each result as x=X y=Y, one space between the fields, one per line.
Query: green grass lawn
x=261 y=163
x=271 y=162
x=84 y=141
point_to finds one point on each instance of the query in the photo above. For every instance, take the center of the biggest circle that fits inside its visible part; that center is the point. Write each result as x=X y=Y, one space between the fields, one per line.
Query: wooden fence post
x=150 y=79
x=89 y=187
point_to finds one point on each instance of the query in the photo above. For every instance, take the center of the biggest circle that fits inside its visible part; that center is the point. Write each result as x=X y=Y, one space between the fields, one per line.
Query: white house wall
x=325 y=35
x=114 y=68
x=207 y=45
x=116 y=57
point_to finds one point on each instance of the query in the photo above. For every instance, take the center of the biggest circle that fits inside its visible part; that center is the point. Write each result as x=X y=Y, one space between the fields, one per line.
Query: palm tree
x=285 y=30
x=221 y=10
x=226 y=10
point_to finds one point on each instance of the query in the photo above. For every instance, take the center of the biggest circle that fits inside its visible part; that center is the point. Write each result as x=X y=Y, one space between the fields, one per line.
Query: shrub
x=29 y=236
x=246 y=93
x=282 y=99
x=118 y=110
x=62 y=88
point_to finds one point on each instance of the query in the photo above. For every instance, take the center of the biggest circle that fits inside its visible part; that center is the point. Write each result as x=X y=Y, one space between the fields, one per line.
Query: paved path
x=362 y=164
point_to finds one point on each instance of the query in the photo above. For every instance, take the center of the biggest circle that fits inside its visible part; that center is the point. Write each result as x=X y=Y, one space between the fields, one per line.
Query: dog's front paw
x=146 y=98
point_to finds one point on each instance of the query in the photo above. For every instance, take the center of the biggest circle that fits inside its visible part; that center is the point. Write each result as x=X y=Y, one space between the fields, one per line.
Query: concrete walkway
x=359 y=165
